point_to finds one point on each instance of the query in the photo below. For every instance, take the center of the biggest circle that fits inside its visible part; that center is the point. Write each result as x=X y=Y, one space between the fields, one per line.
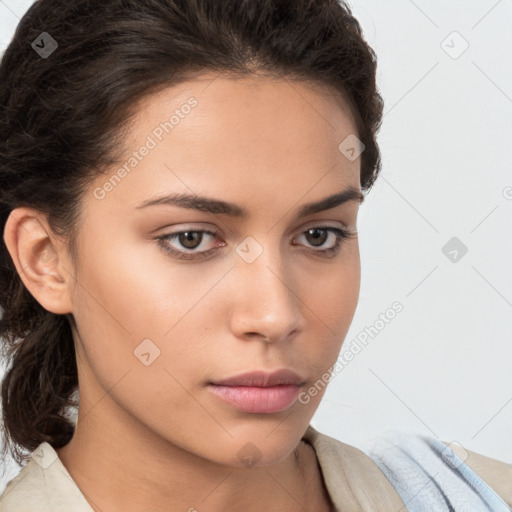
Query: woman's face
x=153 y=330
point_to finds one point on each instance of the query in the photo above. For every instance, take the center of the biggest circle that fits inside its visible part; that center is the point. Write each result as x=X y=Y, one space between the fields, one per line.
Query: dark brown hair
x=61 y=124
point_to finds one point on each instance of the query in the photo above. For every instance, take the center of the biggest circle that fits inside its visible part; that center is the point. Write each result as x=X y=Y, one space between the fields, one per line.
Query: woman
x=180 y=182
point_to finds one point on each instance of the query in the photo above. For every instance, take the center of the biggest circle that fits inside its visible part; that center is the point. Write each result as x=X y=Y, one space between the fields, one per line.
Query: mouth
x=259 y=392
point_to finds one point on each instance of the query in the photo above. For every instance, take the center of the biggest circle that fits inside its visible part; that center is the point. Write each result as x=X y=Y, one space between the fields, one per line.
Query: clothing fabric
x=401 y=472
x=429 y=475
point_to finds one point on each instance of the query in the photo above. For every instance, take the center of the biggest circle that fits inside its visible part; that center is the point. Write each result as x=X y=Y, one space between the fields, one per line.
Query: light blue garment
x=430 y=477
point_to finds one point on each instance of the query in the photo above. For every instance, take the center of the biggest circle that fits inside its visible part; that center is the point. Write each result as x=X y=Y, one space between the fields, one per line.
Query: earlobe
x=39 y=259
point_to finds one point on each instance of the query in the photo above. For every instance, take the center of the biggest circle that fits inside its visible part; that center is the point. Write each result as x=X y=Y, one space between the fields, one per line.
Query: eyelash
x=341 y=235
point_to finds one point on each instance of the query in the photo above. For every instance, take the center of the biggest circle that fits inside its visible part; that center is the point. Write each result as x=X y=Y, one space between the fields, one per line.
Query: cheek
x=130 y=312
x=147 y=322
x=332 y=295
x=146 y=314
x=126 y=353
x=133 y=289
x=331 y=301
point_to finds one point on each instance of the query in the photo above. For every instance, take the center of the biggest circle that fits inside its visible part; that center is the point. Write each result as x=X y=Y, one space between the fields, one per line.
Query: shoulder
x=496 y=473
x=352 y=479
x=43 y=485
x=428 y=471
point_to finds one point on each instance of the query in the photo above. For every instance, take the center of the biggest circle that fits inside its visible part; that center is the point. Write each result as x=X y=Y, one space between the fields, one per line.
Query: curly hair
x=62 y=121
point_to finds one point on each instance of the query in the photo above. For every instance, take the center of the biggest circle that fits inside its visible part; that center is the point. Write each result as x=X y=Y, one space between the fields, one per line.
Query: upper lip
x=262 y=379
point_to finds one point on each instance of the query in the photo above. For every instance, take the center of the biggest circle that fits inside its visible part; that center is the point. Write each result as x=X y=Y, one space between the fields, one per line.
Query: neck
x=139 y=470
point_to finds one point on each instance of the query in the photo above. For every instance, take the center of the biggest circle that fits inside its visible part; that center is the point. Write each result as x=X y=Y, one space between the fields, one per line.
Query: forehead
x=237 y=137
x=252 y=104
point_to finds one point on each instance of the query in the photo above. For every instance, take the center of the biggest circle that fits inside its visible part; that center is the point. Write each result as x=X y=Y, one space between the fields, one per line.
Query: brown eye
x=189 y=239
x=317 y=236
x=186 y=243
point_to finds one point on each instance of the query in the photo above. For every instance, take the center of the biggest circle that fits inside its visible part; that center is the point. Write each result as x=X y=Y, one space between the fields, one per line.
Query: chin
x=265 y=448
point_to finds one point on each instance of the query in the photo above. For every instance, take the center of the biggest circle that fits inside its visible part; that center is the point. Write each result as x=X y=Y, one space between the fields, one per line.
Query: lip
x=262 y=379
x=258 y=400
x=259 y=392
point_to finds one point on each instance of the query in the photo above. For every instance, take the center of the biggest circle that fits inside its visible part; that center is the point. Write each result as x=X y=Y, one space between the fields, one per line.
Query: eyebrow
x=216 y=206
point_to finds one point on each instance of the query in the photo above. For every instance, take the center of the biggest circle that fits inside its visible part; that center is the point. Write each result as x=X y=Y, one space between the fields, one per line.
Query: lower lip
x=257 y=399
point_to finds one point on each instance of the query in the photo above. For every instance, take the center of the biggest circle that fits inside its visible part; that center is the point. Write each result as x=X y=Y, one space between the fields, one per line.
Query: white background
x=443 y=366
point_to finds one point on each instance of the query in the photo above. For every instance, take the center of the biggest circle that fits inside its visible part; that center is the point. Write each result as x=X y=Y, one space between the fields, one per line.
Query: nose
x=265 y=298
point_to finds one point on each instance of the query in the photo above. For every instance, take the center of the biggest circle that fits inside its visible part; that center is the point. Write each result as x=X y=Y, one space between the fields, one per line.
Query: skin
x=271 y=146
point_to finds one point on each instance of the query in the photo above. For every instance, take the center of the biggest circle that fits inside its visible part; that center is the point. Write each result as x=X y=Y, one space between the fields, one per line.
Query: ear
x=40 y=259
